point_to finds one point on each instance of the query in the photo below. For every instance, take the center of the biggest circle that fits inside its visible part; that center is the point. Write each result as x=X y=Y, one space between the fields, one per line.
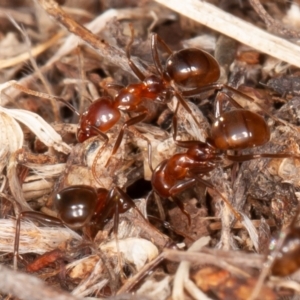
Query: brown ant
x=287 y=260
x=189 y=68
x=237 y=129
x=81 y=206
x=192 y=69
x=283 y=259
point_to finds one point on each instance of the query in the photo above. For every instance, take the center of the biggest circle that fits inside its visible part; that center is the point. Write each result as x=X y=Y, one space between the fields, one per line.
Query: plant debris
x=217 y=232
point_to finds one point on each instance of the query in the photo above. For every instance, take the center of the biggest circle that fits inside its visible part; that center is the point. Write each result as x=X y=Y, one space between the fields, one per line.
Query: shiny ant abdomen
x=192 y=68
x=239 y=129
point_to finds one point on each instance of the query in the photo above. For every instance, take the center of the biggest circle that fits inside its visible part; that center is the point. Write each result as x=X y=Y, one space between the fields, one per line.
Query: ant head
x=192 y=68
x=101 y=115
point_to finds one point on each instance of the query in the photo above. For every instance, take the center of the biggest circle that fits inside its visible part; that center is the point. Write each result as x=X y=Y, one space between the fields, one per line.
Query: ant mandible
x=237 y=129
x=81 y=206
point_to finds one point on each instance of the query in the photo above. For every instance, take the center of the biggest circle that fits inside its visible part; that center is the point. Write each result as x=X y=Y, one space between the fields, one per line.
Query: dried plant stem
x=238 y=225
x=182 y=274
x=35 y=51
x=29 y=287
x=272 y=24
x=138 y=277
x=43 y=79
x=113 y=55
x=254 y=260
x=244 y=32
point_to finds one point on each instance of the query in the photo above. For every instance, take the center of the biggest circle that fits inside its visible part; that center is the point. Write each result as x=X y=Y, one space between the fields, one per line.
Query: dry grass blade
x=238 y=29
x=112 y=54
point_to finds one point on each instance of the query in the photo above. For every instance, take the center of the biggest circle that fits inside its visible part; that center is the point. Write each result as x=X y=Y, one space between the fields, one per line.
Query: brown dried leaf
x=225 y=286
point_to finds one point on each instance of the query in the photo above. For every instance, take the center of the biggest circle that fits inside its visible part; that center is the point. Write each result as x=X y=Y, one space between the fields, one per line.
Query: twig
x=43 y=79
x=113 y=55
x=25 y=287
x=35 y=51
x=273 y=25
x=244 y=32
x=182 y=274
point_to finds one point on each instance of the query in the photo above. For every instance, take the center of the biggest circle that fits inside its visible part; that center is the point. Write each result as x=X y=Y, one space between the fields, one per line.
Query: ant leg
x=188 y=144
x=111 y=207
x=159 y=205
x=213 y=86
x=131 y=64
x=128 y=123
x=211 y=186
x=178 y=202
x=167 y=225
x=175 y=123
x=220 y=99
x=117 y=201
x=183 y=185
x=180 y=187
x=220 y=86
x=35 y=216
x=246 y=157
x=45 y=96
x=202 y=89
x=154 y=39
x=182 y=101
x=155 y=56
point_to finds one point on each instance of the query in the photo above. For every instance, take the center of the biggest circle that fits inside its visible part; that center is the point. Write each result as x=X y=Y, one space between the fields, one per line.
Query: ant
x=189 y=68
x=287 y=259
x=81 y=206
x=283 y=259
x=236 y=129
x=186 y=72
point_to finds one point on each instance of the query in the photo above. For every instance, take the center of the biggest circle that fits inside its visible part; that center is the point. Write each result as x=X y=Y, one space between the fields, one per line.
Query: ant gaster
x=286 y=252
x=288 y=261
x=284 y=259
